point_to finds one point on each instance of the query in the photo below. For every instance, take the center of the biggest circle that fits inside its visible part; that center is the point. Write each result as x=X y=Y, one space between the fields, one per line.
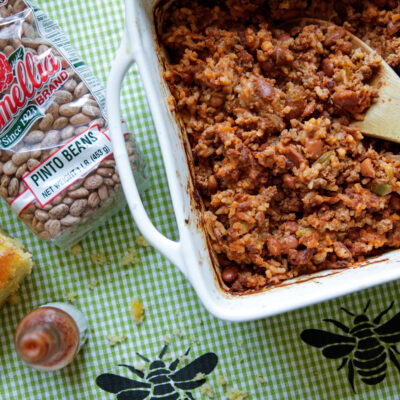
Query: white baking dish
x=191 y=254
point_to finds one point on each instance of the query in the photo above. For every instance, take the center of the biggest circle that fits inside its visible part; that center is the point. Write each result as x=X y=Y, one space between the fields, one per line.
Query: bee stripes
x=161 y=382
x=364 y=348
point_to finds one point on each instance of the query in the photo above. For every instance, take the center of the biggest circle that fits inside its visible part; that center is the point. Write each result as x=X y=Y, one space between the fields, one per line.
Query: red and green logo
x=25 y=76
x=6 y=73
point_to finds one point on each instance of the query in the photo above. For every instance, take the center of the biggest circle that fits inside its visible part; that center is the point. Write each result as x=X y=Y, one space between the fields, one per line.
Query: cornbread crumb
x=71 y=297
x=116 y=339
x=194 y=340
x=236 y=394
x=178 y=332
x=221 y=381
x=77 y=249
x=137 y=311
x=130 y=258
x=184 y=359
x=141 y=241
x=261 y=380
x=14 y=299
x=207 y=390
x=99 y=258
x=92 y=284
x=167 y=357
x=199 y=376
x=141 y=366
x=167 y=339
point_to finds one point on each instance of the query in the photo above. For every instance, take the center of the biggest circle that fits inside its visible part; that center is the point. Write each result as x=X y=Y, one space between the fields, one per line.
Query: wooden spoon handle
x=383 y=118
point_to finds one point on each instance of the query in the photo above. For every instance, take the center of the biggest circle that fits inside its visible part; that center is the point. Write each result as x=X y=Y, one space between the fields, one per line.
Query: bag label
x=21 y=126
x=73 y=161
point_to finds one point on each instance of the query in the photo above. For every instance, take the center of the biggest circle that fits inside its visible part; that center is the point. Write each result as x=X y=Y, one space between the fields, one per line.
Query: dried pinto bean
x=59 y=211
x=46 y=123
x=80 y=90
x=69 y=220
x=69 y=109
x=93 y=200
x=77 y=207
x=53 y=226
x=79 y=119
x=91 y=111
x=63 y=97
x=21 y=171
x=21 y=158
x=79 y=193
x=93 y=182
x=9 y=168
x=41 y=215
x=60 y=123
x=106 y=172
x=13 y=187
x=34 y=137
x=103 y=193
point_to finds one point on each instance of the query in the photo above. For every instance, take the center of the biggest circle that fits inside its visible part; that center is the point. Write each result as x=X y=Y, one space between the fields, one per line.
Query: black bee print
x=161 y=382
x=366 y=349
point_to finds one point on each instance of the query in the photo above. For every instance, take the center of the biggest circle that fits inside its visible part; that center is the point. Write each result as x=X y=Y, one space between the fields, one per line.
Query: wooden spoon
x=382 y=119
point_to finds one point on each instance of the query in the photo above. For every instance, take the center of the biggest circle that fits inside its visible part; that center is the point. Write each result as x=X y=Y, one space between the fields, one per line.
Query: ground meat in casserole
x=288 y=186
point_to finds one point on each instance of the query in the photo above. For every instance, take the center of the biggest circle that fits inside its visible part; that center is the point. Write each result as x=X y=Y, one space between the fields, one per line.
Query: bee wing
x=133 y=395
x=204 y=364
x=190 y=385
x=336 y=351
x=112 y=383
x=392 y=328
x=335 y=346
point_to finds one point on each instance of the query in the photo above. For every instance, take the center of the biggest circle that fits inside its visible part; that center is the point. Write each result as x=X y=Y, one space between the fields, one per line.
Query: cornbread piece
x=116 y=339
x=288 y=186
x=137 y=311
x=15 y=264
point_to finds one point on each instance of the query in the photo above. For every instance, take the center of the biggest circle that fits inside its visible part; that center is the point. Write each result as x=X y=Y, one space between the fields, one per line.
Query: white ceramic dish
x=191 y=254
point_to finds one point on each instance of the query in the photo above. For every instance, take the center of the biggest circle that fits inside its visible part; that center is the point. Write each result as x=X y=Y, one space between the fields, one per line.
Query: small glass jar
x=50 y=337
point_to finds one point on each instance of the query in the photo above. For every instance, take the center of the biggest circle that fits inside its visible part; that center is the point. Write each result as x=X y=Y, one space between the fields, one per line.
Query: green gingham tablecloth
x=265 y=359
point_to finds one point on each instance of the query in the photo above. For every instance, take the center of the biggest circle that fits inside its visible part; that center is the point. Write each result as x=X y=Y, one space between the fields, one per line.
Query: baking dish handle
x=123 y=61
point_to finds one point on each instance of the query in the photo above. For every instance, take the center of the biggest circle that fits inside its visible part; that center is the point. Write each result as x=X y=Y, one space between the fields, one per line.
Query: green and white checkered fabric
x=267 y=359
